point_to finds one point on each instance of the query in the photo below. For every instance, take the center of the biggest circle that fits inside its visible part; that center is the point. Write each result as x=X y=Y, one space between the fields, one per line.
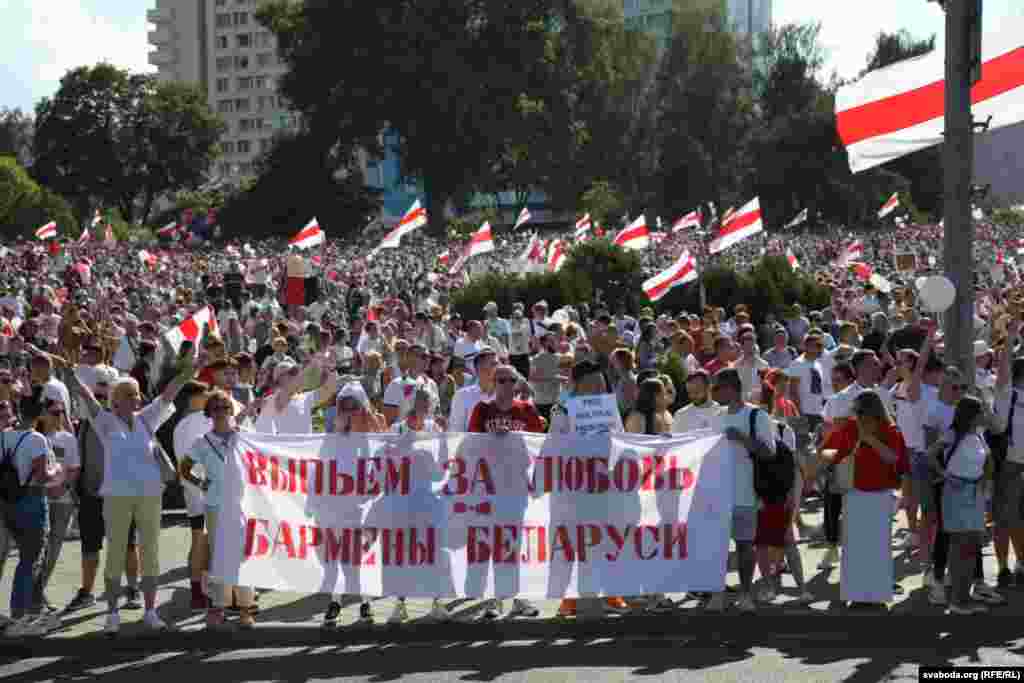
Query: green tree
x=25 y=205
x=445 y=75
x=17 y=189
x=600 y=265
x=16 y=130
x=119 y=139
x=603 y=202
x=301 y=177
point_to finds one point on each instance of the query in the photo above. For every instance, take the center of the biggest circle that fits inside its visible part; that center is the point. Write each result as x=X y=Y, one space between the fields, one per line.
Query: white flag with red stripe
x=192 y=329
x=524 y=217
x=84 y=237
x=738 y=226
x=168 y=230
x=96 y=218
x=47 y=231
x=415 y=217
x=791 y=257
x=557 y=255
x=890 y=205
x=444 y=257
x=679 y=273
x=583 y=226
x=482 y=242
x=898 y=110
x=634 y=236
x=690 y=220
x=147 y=258
x=309 y=236
x=658 y=237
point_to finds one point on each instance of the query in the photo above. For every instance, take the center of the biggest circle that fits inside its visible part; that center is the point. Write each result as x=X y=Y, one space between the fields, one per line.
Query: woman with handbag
x=879 y=456
x=135 y=472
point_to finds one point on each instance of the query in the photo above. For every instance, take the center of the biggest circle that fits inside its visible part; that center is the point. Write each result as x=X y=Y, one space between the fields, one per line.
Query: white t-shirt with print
x=743 y=491
x=31 y=448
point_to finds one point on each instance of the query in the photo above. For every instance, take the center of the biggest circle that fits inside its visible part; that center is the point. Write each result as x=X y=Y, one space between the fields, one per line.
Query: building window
x=223 y=20
x=241 y=62
x=226 y=106
x=245 y=168
x=265 y=145
x=245 y=83
x=224 y=64
x=222 y=42
x=244 y=147
x=264 y=59
x=223 y=84
x=241 y=18
x=227 y=147
x=224 y=168
x=221 y=3
x=242 y=105
x=244 y=40
x=260 y=82
x=263 y=39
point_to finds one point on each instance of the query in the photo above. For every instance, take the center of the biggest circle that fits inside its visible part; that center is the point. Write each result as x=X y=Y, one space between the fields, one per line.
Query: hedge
x=769 y=287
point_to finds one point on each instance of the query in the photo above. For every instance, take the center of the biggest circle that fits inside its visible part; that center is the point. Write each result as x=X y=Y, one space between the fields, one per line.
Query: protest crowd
x=126 y=375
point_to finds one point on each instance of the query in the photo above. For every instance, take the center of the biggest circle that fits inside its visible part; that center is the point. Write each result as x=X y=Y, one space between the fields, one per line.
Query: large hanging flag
x=890 y=205
x=634 y=236
x=481 y=242
x=557 y=255
x=309 y=236
x=791 y=257
x=583 y=227
x=415 y=217
x=800 y=218
x=168 y=230
x=47 y=231
x=738 y=226
x=690 y=220
x=898 y=110
x=524 y=217
x=679 y=273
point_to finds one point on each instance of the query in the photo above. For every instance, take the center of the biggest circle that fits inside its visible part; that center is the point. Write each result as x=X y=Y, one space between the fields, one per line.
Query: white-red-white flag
x=482 y=241
x=679 y=273
x=444 y=257
x=147 y=258
x=658 y=237
x=168 y=230
x=738 y=226
x=800 y=218
x=690 y=220
x=415 y=217
x=634 y=236
x=898 y=110
x=557 y=255
x=47 y=231
x=309 y=236
x=96 y=218
x=192 y=329
x=524 y=217
x=84 y=237
x=890 y=205
x=791 y=257
x=583 y=226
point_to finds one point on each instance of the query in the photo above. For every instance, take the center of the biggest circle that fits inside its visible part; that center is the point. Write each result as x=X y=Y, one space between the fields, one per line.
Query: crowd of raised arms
x=101 y=371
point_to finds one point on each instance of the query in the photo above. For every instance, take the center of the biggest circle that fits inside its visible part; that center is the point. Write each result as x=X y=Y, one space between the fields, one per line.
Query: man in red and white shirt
x=503 y=415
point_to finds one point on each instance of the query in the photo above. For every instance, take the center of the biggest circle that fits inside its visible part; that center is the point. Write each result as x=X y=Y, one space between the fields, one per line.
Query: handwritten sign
x=589 y=415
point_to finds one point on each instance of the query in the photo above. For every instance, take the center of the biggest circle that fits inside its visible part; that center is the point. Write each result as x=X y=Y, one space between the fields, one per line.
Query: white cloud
x=64 y=34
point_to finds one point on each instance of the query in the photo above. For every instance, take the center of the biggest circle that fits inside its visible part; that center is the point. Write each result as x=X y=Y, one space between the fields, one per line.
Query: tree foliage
x=118 y=139
x=25 y=205
x=16 y=131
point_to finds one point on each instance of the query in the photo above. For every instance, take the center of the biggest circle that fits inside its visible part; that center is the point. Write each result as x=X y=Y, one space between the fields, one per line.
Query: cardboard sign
x=589 y=415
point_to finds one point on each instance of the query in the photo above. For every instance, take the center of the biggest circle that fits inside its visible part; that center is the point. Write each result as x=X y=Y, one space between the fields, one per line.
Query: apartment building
x=219 y=45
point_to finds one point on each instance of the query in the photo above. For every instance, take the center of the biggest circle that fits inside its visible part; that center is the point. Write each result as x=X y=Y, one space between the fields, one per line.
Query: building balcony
x=163 y=57
x=160 y=15
x=161 y=36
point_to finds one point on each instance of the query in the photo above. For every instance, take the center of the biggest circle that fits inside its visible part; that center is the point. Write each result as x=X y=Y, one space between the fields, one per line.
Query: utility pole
x=962 y=65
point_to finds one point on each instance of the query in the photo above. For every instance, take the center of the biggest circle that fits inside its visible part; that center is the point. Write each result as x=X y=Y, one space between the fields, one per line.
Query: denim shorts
x=921 y=485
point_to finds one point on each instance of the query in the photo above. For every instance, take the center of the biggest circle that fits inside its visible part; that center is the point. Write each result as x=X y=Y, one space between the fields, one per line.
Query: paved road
x=783 y=642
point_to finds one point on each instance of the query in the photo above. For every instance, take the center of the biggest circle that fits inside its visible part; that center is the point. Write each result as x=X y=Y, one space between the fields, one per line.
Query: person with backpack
x=880 y=459
x=28 y=469
x=752 y=431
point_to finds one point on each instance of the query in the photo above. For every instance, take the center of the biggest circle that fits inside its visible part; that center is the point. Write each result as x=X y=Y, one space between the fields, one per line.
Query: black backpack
x=774 y=477
x=999 y=444
x=11 y=488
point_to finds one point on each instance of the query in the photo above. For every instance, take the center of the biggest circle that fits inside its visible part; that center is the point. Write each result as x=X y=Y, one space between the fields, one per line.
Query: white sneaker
x=48 y=622
x=439 y=612
x=113 y=623
x=830 y=559
x=153 y=621
x=18 y=628
x=716 y=603
x=399 y=614
x=494 y=609
x=937 y=594
x=524 y=608
x=746 y=603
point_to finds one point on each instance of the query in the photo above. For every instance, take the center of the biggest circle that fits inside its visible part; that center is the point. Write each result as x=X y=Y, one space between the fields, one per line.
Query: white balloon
x=937 y=294
x=919 y=282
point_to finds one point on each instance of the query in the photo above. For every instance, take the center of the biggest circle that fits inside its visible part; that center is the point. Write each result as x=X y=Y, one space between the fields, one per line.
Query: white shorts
x=195 y=500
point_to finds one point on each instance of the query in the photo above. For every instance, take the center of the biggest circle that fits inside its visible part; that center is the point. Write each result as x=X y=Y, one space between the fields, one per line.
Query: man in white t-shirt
x=400 y=394
x=519 y=341
x=286 y=411
x=736 y=420
x=701 y=413
x=869 y=371
x=192 y=426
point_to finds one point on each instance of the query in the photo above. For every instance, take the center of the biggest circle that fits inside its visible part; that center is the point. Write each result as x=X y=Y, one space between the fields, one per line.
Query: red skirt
x=772 y=520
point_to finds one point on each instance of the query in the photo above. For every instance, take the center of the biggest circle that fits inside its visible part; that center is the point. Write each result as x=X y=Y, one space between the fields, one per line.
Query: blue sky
x=41 y=39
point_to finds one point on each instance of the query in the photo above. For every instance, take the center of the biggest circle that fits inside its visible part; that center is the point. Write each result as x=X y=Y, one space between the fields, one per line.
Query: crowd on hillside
x=98 y=373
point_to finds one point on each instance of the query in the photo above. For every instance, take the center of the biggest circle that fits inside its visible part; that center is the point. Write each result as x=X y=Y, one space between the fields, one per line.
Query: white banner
x=476 y=515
